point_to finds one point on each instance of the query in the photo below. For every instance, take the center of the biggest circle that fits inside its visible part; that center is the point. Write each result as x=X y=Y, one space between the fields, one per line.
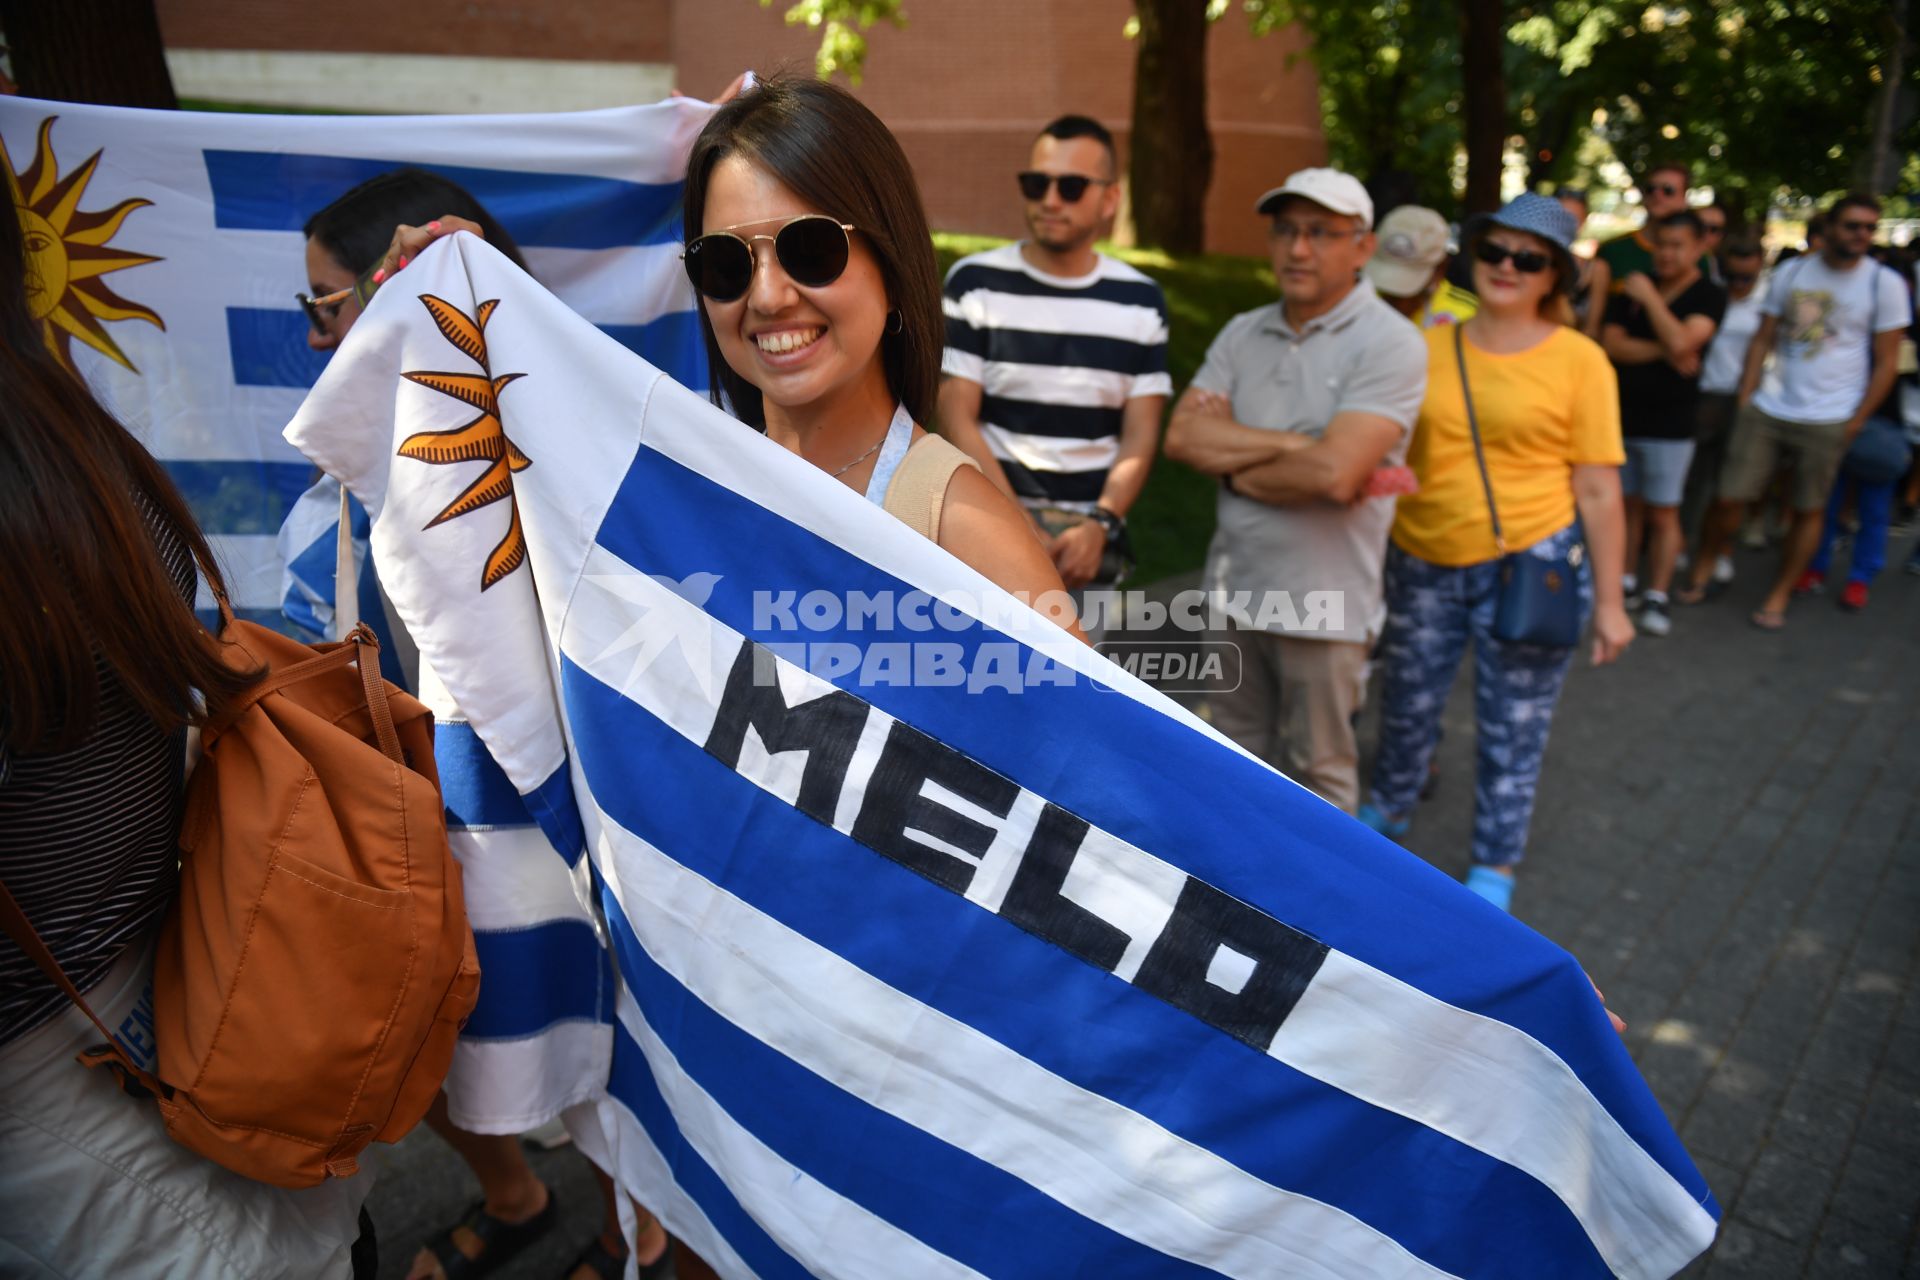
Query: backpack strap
x=21 y=930
x=360 y=644
x=919 y=487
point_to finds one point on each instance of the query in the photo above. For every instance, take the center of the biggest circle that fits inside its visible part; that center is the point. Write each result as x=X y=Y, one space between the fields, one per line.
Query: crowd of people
x=1512 y=465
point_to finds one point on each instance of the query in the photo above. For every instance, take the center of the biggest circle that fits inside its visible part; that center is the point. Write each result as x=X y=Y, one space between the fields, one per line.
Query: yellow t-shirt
x=1541 y=411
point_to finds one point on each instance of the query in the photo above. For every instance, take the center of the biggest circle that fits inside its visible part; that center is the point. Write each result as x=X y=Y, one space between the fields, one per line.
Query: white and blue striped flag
x=944 y=947
x=166 y=251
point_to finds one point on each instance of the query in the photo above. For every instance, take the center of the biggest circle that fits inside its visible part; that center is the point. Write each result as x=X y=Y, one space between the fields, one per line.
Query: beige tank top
x=918 y=488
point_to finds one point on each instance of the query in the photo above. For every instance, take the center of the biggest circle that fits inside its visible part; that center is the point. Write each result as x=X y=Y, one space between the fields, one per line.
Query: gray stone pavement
x=1728 y=837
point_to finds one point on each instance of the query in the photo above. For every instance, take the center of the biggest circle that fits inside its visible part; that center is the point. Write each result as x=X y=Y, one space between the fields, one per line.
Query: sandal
x=1768 y=619
x=608 y=1267
x=500 y=1240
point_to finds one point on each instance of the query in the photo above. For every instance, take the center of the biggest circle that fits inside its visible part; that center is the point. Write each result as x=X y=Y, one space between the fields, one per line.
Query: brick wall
x=965 y=85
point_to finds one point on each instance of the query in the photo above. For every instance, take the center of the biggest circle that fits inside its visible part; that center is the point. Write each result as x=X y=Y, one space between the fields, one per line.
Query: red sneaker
x=1811 y=583
x=1853 y=597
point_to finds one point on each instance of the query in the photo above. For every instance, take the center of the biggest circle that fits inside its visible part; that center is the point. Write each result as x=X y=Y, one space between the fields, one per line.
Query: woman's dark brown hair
x=80 y=574
x=834 y=154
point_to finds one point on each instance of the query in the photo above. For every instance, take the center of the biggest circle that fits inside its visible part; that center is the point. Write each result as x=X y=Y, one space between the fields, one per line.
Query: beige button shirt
x=1360 y=357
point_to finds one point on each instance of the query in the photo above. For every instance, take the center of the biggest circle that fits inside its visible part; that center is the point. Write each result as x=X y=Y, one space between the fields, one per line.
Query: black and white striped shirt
x=89 y=838
x=1057 y=359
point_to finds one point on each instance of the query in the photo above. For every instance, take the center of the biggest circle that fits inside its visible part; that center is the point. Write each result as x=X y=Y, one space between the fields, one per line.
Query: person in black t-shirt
x=1656 y=331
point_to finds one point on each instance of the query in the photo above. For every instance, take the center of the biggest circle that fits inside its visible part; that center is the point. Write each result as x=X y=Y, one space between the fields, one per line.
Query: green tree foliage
x=1760 y=95
x=842 y=25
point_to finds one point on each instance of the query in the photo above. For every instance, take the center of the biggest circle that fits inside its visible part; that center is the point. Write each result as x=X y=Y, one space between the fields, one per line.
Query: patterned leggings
x=1432 y=611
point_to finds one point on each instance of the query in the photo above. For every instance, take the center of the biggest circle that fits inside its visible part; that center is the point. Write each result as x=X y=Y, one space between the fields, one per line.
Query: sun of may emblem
x=67 y=253
x=481 y=440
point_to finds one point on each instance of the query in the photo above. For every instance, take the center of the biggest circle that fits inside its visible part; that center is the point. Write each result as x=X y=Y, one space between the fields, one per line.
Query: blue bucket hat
x=1537 y=215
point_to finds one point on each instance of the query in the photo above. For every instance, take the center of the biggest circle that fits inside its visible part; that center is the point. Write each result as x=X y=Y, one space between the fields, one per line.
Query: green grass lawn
x=1174 y=518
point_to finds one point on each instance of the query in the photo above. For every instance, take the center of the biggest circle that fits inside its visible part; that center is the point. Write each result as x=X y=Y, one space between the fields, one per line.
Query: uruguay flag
x=166 y=251
x=944 y=947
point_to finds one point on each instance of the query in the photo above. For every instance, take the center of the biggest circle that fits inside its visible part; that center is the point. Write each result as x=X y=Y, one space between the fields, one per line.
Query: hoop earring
x=896 y=321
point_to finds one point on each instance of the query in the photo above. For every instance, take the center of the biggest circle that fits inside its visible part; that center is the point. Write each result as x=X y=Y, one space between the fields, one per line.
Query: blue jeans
x=1432 y=611
x=1873 y=504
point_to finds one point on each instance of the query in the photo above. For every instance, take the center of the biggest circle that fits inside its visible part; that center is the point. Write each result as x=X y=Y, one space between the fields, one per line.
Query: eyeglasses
x=812 y=249
x=1525 y=261
x=1860 y=228
x=1034 y=184
x=1666 y=189
x=1317 y=236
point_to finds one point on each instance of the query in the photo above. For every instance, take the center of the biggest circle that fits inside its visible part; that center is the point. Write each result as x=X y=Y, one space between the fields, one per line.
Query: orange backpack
x=312 y=978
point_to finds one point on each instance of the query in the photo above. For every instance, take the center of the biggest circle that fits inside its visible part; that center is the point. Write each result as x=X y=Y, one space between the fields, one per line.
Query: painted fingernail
x=434 y=225
x=380 y=275
x=403 y=263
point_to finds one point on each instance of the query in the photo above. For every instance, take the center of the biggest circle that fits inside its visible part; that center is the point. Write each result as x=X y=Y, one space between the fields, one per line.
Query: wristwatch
x=1109 y=520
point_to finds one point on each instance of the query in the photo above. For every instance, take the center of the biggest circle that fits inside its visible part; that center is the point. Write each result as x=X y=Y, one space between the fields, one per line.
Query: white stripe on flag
x=802 y=1214
x=633 y=284
x=509 y=882
x=251 y=565
x=511 y=1086
x=1089 y=1153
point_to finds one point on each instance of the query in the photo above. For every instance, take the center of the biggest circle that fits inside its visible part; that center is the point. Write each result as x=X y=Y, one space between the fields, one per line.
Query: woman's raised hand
x=409 y=241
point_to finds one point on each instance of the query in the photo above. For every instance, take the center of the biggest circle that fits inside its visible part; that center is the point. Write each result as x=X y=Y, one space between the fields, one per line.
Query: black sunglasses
x=1666 y=189
x=812 y=249
x=1525 y=261
x=1034 y=184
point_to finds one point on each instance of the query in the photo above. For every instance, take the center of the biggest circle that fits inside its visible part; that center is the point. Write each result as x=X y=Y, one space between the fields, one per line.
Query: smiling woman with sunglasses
x=1517 y=450
x=820 y=306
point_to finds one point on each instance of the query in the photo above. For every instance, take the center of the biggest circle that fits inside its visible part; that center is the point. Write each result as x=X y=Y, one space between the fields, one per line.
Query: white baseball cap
x=1328 y=188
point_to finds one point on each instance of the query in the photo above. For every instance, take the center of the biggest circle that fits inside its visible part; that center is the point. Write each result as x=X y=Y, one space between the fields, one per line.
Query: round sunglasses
x=1525 y=261
x=812 y=249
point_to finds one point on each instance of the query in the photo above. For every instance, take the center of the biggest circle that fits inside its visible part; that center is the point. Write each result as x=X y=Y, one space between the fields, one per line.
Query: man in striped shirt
x=1056 y=358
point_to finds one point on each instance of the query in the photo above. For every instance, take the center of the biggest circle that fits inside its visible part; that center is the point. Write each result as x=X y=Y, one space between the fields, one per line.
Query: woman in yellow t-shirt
x=1549 y=418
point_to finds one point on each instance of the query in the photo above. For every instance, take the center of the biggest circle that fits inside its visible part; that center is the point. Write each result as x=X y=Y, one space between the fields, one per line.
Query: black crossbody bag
x=1539 y=597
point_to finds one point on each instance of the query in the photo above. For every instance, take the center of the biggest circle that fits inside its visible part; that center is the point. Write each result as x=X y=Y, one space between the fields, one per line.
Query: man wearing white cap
x=1298 y=405
x=1409 y=269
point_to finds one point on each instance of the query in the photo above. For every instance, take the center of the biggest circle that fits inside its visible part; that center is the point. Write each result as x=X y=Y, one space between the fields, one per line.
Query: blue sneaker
x=1493 y=886
x=1391 y=828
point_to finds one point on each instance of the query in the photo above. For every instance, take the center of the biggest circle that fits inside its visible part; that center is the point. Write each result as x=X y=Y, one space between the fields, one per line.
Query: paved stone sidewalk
x=1728 y=837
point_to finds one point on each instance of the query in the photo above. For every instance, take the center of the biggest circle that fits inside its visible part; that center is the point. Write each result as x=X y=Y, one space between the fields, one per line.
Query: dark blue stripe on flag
x=476 y=791
x=269 y=348
x=1404 y=1179
x=531 y=979
x=554 y=808
x=240 y=497
x=633 y=1086
x=1105 y=757
x=955 y=1202
x=273 y=191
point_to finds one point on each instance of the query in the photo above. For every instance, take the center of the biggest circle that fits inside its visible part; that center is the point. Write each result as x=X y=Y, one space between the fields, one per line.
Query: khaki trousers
x=1294 y=707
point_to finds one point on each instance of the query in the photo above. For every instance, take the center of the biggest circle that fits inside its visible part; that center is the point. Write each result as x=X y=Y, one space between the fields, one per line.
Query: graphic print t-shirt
x=1827 y=322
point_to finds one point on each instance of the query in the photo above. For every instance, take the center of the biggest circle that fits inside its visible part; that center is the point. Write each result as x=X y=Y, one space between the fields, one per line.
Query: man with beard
x=1056 y=357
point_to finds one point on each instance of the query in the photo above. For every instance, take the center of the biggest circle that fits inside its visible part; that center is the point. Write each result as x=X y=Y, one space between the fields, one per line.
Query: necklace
x=868 y=454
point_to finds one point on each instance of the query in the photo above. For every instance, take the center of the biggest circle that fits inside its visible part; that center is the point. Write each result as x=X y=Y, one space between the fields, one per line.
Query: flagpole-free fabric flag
x=166 y=249
x=165 y=252
x=944 y=947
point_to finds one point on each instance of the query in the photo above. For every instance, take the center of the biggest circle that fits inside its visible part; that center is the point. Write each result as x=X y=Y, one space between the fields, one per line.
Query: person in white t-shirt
x=1720 y=368
x=1833 y=324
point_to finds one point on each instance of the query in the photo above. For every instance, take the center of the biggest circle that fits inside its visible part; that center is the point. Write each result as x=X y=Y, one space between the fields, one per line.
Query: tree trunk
x=1170 y=164
x=1879 y=168
x=1482 y=38
x=104 y=51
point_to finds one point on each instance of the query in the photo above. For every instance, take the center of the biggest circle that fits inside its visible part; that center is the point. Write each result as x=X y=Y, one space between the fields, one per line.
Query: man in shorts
x=1833 y=322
